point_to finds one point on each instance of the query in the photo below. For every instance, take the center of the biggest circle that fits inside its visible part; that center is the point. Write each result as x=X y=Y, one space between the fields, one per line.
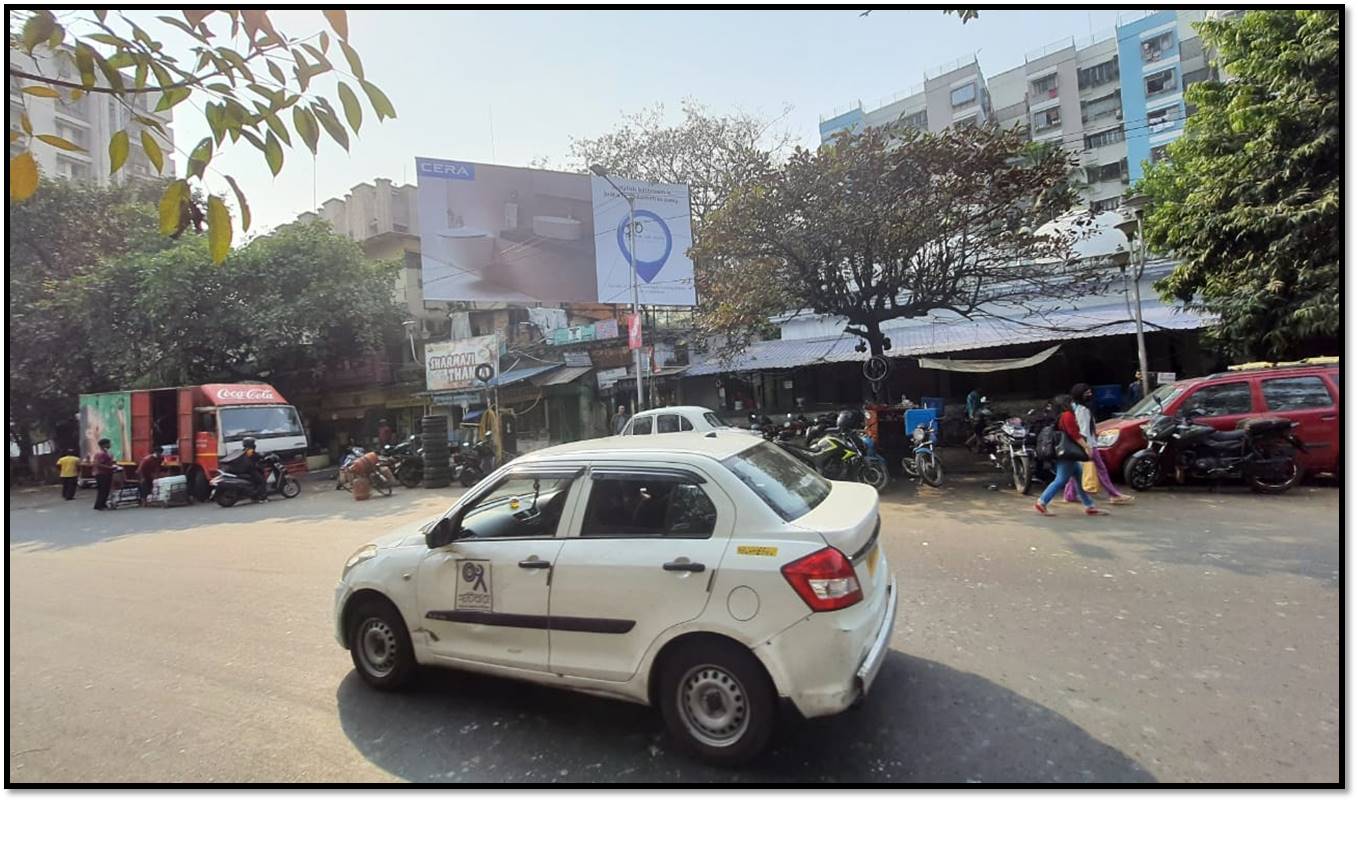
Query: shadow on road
x=924 y=722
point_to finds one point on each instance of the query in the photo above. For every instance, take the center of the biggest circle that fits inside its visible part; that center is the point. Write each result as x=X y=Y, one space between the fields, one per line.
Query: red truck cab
x=1306 y=392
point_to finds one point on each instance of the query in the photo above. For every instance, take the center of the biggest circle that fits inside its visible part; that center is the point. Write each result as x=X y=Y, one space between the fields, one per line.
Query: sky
x=512 y=86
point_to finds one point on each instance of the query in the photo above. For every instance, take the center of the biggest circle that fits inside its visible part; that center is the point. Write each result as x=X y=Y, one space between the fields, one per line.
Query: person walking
x=68 y=468
x=1066 y=461
x=385 y=434
x=1134 y=390
x=1095 y=473
x=620 y=419
x=103 y=474
x=147 y=470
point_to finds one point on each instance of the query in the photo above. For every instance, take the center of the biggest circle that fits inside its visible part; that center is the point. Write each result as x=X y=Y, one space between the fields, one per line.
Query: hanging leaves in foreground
x=218 y=228
x=23 y=177
x=152 y=149
x=244 y=207
x=171 y=204
x=117 y=151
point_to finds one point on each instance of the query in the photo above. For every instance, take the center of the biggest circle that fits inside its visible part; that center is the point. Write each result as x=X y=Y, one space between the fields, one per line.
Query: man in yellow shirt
x=68 y=467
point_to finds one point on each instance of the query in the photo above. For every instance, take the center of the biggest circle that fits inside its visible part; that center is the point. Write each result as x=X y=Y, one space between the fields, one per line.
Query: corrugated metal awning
x=565 y=375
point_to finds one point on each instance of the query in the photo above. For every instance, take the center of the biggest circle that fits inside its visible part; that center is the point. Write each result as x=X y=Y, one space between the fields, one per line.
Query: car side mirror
x=441 y=534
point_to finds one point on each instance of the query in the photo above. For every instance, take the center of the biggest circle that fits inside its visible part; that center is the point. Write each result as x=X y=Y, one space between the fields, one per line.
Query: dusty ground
x=1191 y=637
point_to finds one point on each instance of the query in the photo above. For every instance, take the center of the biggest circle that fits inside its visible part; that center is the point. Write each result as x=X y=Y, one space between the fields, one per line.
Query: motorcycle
x=229 y=488
x=842 y=456
x=1263 y=453
x=920 y=461
x=472 y=462
x=1016 y=450
x=407 y=461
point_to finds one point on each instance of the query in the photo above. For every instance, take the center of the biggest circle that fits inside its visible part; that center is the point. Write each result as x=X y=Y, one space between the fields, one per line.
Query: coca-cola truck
x=197 y=426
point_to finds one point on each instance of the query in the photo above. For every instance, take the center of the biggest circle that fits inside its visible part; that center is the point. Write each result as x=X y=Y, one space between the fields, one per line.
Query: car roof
x=676 y=409
x=716 y=444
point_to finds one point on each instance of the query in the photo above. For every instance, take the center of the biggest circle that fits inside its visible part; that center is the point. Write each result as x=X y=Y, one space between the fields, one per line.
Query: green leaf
x=306 y=126
x=40 y=91
x=183 y=27
x=353 y=112
x=58 y=142
x=84 y=63
x=25 y=123
x=303 y=70
x=117 y=151
x=276 y=72
x=326 y=115
x=163 y=78
x=339 y=22
x=244 y=207
x=23 y=177
x=55 y=39
x=220 y=88
x=355 y=64
x=153 y=152
x=273 y=153
x=171 y=203
x=237 y=60
x=37 y=29
x=200 y=157
x=278 y=127
x=196 y=16
x=325 y=42
x=143 y=68
x=113 y=75
x=251 y=137
x=104 y=38
x=218 y=229
x=381 y=105
x=321 y=61
x=216 y=120
x=170 y=97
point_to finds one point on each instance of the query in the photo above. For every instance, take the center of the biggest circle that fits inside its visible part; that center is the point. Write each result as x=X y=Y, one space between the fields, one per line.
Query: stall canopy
x=988 y=364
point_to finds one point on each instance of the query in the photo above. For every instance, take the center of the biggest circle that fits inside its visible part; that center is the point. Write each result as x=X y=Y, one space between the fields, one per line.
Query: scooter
x=229 y=488
x=1263 y=453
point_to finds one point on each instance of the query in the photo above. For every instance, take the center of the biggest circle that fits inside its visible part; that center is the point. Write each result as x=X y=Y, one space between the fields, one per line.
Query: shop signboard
x=609 y=377
x=452 y=365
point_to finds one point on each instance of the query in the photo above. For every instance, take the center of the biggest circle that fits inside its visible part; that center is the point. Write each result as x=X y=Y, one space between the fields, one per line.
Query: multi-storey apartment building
x=1116 y=99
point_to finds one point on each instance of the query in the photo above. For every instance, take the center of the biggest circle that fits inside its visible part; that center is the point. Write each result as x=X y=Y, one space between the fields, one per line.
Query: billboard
x=452 y=365
x=501 y=234
x=106 y=415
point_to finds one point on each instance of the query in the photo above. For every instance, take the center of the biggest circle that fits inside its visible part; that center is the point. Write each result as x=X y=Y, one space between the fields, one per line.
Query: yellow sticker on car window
x=757 y=551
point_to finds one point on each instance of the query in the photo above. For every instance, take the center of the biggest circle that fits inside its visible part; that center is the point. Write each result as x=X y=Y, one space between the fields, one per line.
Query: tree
x=253 y=80
x=711 y=154
x=892 y=223
x=1249 y=197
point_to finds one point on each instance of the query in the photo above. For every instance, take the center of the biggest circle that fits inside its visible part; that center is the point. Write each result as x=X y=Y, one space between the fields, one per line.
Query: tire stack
x=434 y=438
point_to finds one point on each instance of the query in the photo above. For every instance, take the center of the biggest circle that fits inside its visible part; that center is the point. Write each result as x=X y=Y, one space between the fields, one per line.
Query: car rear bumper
x=824 y=666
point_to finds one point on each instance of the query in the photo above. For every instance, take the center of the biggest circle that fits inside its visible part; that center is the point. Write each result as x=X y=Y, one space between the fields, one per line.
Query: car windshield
x=1156 y=402
x=714 y=420
x=785 y=484
x=260 y=421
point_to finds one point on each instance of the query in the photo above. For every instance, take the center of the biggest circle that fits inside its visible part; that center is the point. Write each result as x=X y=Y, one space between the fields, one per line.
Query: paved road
x=1191 y=637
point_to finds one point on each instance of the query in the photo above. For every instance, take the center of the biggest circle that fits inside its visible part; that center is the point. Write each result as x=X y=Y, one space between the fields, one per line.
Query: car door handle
x=1329 y=417
x=688 y=566
x=534 y=564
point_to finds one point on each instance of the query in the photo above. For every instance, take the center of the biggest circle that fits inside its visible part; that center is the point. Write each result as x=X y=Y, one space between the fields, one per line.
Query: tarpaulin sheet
x=987 y=365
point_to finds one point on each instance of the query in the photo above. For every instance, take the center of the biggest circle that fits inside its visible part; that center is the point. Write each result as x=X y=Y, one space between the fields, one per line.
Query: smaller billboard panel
x=452 y=365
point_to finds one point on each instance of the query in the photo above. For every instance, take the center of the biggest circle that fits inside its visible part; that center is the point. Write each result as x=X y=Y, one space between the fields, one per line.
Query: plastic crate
x=918 y=417
x=1108 y=397
x=935 y=402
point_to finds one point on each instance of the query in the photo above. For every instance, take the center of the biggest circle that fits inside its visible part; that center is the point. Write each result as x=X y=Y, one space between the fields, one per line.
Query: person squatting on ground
x=1067 y=468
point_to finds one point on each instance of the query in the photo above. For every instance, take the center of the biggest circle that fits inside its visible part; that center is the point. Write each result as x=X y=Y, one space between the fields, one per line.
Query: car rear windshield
x=785 y=484
x=714 y=420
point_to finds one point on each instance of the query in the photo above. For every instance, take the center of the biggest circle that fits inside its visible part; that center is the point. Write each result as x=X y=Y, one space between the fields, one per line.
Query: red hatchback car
x=1306 y=393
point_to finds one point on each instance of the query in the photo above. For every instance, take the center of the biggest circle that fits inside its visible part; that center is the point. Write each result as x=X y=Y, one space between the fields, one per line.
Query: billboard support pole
x=636 y=293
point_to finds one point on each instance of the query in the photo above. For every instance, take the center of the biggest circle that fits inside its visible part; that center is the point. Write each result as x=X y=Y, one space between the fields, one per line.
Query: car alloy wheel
x=713 y=706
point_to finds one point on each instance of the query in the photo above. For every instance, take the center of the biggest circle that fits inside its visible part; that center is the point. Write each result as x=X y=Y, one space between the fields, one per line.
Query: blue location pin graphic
x=647 y=269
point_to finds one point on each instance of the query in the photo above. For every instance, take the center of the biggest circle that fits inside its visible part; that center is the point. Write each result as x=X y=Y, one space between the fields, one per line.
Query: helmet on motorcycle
x=248 y=443
x=848 y=420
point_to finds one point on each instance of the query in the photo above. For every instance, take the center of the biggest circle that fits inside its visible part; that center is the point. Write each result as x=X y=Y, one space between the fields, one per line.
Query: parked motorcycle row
x=403 y=463
x=835 y=445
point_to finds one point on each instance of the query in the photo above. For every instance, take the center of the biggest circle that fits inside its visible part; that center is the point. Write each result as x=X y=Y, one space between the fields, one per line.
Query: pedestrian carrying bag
x=1069 y=450
x=1090 y=478
x=1046 y=444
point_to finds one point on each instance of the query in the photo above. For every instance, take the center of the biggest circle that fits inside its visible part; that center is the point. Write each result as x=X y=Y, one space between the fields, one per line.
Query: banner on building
x=452 y=365
x=634 y=330
x=500 y=234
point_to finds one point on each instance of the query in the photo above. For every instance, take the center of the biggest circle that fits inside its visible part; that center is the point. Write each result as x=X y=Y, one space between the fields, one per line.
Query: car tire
x=717 y=701
x=380 y=645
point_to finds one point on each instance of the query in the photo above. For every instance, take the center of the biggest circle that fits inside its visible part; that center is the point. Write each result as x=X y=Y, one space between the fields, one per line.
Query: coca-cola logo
x=240 y=394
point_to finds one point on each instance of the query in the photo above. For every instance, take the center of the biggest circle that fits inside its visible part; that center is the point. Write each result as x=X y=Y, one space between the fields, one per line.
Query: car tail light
x=825 y=580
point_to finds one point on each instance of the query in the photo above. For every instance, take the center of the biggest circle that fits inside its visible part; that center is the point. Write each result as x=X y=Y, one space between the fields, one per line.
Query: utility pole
x=1136 y=206
x=632 y=250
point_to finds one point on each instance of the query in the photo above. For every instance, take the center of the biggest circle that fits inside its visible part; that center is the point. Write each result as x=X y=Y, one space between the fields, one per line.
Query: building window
x=918 y=120
x=1106 y=173
x=76 y=108
x=1097 y=75
x=1157 y=47
x=1104 y=205
x=1157 y=117
x=71 y=133
x=1043 y=88
x=1161 y=82
x=964 y=95
x=969 y=121
x=1191 y=78
x=72 y=169
x=1159 y=153
x=1107 y=137
x=412 y=259
x=1104 y=107
x=1046 y=119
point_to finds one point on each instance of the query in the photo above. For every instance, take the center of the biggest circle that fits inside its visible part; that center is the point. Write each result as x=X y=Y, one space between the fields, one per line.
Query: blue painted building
x=1150 y=64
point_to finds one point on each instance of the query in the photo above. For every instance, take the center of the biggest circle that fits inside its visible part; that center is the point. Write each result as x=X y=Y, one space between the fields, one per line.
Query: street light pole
x=1135 y=206
x=632 y=251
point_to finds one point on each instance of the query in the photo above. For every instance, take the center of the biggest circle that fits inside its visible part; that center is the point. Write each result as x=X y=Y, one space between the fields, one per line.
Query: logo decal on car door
x=473 y=586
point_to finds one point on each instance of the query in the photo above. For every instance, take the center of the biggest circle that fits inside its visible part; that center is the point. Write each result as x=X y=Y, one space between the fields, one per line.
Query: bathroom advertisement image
x=498 y=233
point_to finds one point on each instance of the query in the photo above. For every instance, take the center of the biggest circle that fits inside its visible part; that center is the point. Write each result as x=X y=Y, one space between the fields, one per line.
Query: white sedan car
x=676 y=418
x=708 y=574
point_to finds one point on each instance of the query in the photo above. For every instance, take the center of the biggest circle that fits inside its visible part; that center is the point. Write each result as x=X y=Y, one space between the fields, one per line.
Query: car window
x=641 y=425
x=685 y=424
x=1217 y=399
x=648 y=508
x=1296 y=394
x=785 y=484
x=714 y=420
x=666 y=423
x=521 y=506
x=1156 y=402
